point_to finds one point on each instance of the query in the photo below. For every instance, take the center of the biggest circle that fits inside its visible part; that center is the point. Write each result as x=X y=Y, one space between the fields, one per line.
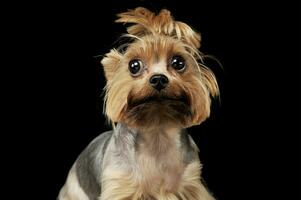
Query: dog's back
x=83 y=182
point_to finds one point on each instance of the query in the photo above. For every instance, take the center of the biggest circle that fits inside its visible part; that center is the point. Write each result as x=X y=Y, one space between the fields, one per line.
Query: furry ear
x=146 y=22
x=110 y=63
x=210 y=82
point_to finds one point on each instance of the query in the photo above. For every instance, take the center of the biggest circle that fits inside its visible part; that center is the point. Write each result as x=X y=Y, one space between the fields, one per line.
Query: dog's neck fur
x=155 y=140
x=159 y=141
x=159 y=155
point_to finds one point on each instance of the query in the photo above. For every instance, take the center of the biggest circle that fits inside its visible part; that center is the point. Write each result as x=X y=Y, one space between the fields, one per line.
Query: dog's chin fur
x=156 y=110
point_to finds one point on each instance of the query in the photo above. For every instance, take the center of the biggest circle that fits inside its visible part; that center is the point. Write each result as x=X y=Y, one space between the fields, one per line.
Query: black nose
x=158 y=81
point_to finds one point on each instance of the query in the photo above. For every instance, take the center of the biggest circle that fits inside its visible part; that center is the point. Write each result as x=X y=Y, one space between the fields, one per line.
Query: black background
x=58 y=82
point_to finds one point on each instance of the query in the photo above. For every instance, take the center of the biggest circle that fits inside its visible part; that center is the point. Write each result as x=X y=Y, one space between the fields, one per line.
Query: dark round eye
x=178 y=63
x=135 y=66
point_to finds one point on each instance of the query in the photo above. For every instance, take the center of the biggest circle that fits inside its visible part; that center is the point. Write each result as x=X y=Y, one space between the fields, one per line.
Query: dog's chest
x=159 y=163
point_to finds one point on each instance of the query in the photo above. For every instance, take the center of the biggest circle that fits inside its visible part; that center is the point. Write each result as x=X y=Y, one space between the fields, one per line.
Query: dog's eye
x=135 y=66
x=178 y=63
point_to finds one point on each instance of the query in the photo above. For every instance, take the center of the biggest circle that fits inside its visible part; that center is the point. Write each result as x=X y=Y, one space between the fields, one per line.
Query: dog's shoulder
x=89 y=163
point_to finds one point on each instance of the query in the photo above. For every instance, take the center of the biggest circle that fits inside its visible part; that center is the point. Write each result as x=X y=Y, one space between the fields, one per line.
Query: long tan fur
x=157 y=37
x=123 y=186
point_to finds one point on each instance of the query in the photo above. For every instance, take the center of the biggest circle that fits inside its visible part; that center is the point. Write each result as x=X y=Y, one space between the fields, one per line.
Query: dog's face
x=158 y=79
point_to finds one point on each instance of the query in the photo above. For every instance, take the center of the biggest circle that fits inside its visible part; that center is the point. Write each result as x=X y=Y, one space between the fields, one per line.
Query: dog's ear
x=146 y=22
x=210 y=81
x=111 y=63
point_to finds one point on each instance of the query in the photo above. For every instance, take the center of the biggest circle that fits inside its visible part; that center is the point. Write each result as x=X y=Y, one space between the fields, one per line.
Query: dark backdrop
x=58 y=103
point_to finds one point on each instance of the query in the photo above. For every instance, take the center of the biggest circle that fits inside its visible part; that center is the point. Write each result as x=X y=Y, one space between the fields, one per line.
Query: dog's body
x=112 y=167
x=155 y=89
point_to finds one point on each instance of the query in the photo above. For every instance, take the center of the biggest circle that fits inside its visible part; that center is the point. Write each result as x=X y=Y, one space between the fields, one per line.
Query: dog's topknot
x=146 y=22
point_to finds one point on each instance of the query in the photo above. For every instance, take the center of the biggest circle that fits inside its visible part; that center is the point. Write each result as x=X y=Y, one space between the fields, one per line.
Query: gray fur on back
x=89 y=165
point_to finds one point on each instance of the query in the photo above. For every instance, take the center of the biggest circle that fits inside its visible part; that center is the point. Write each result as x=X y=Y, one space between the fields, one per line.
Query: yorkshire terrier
x=156 y=87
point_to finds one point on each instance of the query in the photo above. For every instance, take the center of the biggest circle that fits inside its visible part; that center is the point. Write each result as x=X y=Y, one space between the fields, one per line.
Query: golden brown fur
x=124 y=186
x=156 y=39
x=146 y=22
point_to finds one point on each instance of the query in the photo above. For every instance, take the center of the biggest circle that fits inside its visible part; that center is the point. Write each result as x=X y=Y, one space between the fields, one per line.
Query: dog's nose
x=158 y=81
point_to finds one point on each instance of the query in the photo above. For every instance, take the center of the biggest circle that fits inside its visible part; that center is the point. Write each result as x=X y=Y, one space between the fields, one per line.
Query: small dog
x=156 y=87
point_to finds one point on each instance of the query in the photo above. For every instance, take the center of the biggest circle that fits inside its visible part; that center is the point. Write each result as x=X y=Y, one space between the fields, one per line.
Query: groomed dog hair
x=156 y=87
x=159 y=34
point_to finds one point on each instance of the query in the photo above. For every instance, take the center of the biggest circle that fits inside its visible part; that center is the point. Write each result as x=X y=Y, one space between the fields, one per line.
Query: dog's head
x=160 y=77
